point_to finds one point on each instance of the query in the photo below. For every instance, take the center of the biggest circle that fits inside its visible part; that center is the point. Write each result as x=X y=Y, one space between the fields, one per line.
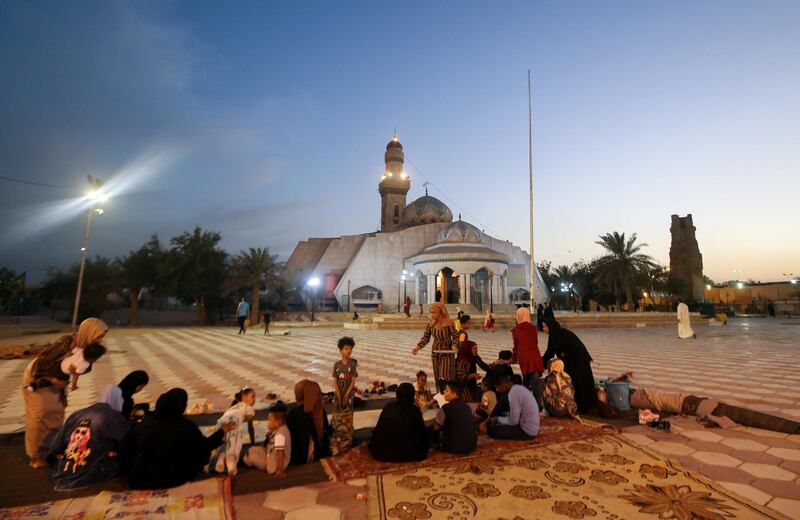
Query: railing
x=476 y=298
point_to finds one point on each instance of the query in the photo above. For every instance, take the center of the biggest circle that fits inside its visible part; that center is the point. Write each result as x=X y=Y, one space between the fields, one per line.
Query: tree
x=195 y=270
x=545 y=269
x=564 y=283
x=618 y=268
x=253 y=269
x=10 y=283
x=140 y=269
x=100 y=278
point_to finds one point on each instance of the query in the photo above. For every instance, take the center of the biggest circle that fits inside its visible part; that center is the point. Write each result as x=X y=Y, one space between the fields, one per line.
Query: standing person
x=522 y=421
x=267 y=317
x=440 y=328
x=242 y=310
x=345 y=372
x=226 y=458
x=526 y=353
x=407 y=306
x=565 y=345
x=44 y=385
x=421 y=309
x=684 y=322
x=540 y=317
x=400 y=435
x=308 y=424
x=488 y=324
x=547 y=313
x=87 y=445
x=131 y=384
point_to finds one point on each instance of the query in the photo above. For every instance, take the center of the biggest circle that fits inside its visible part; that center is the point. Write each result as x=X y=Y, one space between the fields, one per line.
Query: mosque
x=420 y=252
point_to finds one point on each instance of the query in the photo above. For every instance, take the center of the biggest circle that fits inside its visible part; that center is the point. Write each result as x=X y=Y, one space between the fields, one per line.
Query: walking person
x=44 y=385
x=488 y=323
x=267 y=317
x=407 y=306
x=684 y=321
x=242 y=310
x=526 y=353
x=443 y=352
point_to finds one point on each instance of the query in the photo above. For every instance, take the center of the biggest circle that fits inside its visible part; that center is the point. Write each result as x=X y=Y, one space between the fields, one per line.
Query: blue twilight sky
x=267 y=121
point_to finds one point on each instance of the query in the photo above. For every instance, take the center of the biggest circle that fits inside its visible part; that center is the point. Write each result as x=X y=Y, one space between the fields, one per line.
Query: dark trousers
x=508 y=431
x=241 y=324
x=533 y=382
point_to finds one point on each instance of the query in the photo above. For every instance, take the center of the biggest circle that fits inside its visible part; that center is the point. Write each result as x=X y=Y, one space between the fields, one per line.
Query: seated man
x=454 y=422
x=522 y=421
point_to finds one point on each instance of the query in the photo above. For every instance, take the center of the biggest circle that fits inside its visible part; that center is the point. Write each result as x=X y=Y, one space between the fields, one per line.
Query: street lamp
x=95 y=195
x=313 y=283
x=491 y=292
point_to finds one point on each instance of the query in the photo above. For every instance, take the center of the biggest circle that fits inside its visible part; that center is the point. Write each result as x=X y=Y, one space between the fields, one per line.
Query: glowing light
x=708 y=287
x=739 y=285
x=99 y=211
x=644 y=294
x=391 y=174
x=313 y=282
x=83 y=249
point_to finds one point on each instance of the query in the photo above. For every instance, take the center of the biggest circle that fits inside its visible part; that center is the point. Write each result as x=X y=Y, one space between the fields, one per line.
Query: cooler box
x=619 y=395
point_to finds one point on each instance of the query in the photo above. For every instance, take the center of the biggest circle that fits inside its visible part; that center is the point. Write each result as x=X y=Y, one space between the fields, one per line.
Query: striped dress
x=443 y=353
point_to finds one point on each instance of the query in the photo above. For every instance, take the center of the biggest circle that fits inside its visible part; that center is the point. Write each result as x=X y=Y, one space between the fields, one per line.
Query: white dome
x=460 y=232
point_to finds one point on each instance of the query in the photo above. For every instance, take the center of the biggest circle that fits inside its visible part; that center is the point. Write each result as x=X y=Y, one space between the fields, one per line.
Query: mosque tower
x=393 y=187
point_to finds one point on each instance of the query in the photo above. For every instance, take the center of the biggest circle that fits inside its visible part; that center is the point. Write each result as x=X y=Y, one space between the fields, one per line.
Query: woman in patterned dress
x=440 y=328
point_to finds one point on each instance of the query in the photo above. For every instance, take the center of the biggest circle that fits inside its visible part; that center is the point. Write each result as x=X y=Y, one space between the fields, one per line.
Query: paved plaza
x=753 y=362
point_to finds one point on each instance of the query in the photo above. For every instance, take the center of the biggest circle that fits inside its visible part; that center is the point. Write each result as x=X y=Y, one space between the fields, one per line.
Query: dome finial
x=459 y=216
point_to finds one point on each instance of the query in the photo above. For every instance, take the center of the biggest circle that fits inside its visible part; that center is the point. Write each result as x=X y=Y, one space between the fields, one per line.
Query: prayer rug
x=203 y=500
x=358 y=463
x=602 y=477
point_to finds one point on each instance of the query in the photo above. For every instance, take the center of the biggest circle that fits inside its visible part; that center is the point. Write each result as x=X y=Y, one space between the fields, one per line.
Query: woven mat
x=358 y=463
x=601 y=477
x=203 y=500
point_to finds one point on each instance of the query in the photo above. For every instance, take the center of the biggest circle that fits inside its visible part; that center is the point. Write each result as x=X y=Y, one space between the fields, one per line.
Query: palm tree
x=620 y=266
x=253 y=268
x=563 y=282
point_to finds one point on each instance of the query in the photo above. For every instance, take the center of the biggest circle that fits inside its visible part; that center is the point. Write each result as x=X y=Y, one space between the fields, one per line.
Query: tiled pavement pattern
x=323 y=501
x=761 y=465
x=755 y=362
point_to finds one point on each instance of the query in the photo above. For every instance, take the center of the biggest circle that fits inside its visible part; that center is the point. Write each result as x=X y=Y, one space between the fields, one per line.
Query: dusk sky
x=267 y=121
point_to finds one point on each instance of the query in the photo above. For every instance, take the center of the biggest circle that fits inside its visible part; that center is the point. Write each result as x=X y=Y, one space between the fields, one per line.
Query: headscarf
x=557 y=369
x=552 y=324
x=89 y=331
x=465 y=351
x=439 y=316
x=308 y=394
x=132 y=381
x=523 y=315
x=172 y=403
x=405 y=394
x=112 y=396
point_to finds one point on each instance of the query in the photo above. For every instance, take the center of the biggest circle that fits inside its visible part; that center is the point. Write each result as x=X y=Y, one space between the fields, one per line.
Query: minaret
x=393 y=187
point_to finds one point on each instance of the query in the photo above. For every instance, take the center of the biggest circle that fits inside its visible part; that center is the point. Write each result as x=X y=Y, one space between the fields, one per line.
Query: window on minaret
x=396 y=210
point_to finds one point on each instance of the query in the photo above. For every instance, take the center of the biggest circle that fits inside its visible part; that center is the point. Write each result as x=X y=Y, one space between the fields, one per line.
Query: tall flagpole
x=530 y=181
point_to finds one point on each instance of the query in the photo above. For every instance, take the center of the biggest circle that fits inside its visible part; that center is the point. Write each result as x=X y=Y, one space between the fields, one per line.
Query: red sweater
x=526 y=348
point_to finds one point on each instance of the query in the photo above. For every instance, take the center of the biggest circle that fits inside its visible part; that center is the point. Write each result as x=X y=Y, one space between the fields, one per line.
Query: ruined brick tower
x=685 y=260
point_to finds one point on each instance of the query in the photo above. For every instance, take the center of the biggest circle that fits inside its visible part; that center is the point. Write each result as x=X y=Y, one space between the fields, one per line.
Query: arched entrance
x=448 y=289
x=367 y=297
x=480 y=295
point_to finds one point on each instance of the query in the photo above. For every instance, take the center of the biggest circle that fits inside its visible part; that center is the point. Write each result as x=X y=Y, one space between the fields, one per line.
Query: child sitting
x=345 y=372
x=559 y=394
x=423 y=396
x=226 y=458
x=276 y=453
x=454 y=422
x=488 y=400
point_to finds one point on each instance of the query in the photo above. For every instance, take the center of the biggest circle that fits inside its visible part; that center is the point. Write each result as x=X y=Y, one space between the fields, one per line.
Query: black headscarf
x=128 y=385
x=400 y=435
x=172 y=403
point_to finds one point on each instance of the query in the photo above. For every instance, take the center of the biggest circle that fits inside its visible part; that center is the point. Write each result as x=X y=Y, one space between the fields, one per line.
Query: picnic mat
x=203 y=500
x=600 y=477
x=358 y=463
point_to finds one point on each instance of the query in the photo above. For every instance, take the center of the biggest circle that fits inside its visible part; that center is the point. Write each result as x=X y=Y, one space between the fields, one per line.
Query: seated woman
x=86 y=446
x=308 y=424
x=400 y=435
x=559 y=394
x=166 y=449
x=131 y=384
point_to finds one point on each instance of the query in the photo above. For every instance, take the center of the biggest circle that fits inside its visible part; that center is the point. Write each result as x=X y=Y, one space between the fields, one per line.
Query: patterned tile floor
x=761 y=465
x=748 y=362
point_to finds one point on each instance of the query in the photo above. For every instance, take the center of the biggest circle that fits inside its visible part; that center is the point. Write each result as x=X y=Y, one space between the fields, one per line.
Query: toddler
x=424 y=397
x=276 y=453
x=226 y=458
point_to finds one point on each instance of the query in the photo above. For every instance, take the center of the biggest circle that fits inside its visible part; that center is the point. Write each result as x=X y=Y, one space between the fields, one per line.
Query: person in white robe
x=684 y=322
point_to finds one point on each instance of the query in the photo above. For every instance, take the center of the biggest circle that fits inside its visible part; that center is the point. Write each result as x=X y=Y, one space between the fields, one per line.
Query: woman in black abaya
x=565 y=345
x=400 y=435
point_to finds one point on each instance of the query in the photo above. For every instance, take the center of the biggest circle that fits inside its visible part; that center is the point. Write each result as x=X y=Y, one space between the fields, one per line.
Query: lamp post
x=491 y=292
x=94 y=196
x=313 y=283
